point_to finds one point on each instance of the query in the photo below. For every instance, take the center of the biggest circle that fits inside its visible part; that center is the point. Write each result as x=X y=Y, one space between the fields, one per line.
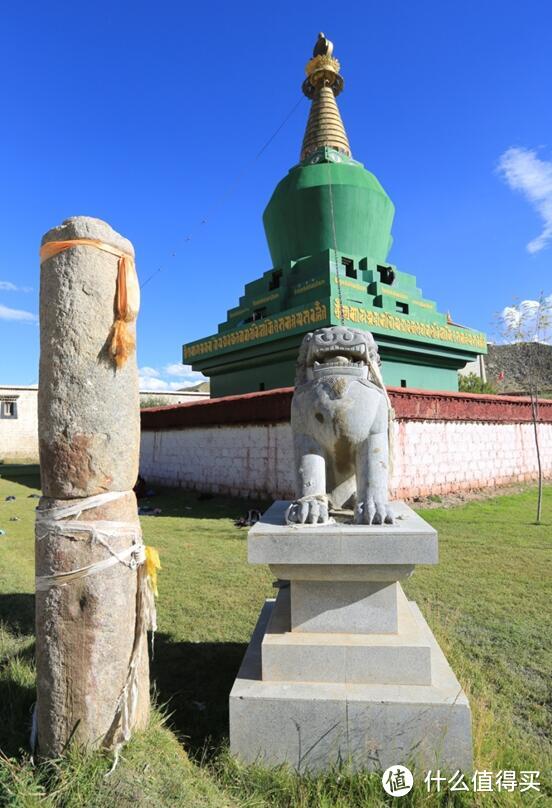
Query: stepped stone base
x=403 y=658
x=342 y=667
x=312 y=725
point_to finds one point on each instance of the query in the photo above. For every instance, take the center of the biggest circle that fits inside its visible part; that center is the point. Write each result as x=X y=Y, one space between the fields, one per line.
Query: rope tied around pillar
x=145 y=560
x=127 y=295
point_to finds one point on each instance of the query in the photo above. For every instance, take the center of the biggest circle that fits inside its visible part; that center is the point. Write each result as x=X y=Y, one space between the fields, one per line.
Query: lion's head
x=336 y=351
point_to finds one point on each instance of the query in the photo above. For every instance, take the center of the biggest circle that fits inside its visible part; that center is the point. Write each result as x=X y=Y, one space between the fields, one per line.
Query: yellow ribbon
x=122 y=341
x=153 y=564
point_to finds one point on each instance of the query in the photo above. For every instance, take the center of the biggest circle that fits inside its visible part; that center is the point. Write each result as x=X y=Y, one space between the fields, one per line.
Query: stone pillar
x=92 y=660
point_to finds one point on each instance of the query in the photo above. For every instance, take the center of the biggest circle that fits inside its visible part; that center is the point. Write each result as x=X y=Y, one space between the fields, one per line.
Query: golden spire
x=322 y=85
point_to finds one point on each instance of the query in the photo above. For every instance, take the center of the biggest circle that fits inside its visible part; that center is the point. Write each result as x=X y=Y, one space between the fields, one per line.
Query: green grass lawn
x=488 y=602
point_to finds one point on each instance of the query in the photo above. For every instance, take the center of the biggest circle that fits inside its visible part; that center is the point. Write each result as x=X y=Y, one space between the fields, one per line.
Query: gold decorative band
x=405 y=325
x=267 y=327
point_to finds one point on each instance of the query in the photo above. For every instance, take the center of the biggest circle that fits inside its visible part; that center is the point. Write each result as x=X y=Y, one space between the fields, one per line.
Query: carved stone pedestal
x=341 y=666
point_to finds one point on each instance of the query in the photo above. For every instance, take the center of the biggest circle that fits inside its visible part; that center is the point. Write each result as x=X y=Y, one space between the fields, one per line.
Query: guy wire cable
x=337 y=276
x=232 y=187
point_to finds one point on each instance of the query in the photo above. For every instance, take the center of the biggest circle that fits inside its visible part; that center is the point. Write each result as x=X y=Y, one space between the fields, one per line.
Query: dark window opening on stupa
x=402 y=307
x=350 y=270
x=275 y=280
x=387 y=274
x=403 y=382
x=261 y=386
x=258 y=314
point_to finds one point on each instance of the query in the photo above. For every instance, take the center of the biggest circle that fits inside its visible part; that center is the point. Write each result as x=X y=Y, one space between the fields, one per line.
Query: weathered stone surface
x=86 y=628
x=89 y=432
x=340 y=416
x=313 y=725
x=85 y=635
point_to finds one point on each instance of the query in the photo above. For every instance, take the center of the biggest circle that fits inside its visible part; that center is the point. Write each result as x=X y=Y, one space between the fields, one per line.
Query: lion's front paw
x=373 y=512
x=308 y=511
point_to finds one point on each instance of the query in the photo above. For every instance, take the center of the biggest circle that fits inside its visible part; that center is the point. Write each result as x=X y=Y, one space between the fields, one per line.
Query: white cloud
x=8 y=286
x=511 y=317
x=178 y=369
x=149 y=373
x=16 y=315
x=525 y=172
x=530 y=320
x=152 y=379
x=150 y=383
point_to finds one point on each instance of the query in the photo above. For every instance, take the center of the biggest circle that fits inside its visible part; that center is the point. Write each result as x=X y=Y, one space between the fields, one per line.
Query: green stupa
x=328 y=227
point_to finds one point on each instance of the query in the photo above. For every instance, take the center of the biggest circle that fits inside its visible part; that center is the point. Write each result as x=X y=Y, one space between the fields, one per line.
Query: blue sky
x=150 y=116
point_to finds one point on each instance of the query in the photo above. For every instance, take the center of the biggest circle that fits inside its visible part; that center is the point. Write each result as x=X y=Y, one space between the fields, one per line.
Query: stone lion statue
x=340 y=418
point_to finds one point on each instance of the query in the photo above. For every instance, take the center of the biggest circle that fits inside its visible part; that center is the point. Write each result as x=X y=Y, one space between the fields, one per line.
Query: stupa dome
x=328 y=200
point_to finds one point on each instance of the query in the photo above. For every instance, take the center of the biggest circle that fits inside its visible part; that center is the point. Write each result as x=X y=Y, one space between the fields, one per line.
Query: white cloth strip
x=48 y=521
x=44 y=582
x=84 y=504
x=100 y=532
x=103 y=525
x=133 y=557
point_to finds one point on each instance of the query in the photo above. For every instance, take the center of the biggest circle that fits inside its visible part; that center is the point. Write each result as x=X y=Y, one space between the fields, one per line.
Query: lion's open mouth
x=339 y=359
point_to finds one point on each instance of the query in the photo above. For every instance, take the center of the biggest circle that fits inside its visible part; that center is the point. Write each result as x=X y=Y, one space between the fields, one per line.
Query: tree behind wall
x=529 y=325
x=153 y=401
x=472 y=383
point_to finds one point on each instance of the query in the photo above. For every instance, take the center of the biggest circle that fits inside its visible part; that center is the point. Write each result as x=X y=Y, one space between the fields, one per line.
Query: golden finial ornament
x=323 y=69
x=323 y=83
x=323 y=46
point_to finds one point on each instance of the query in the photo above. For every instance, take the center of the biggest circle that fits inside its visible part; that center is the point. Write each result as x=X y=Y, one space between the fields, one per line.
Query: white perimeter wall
x=19 y=436
x=431 y=457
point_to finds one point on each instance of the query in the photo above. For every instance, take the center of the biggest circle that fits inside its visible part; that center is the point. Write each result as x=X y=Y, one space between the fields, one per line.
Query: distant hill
x=509 y=366
x=202 y=387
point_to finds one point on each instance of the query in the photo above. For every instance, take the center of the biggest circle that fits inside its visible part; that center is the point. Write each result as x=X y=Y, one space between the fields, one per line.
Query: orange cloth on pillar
x=127 y=296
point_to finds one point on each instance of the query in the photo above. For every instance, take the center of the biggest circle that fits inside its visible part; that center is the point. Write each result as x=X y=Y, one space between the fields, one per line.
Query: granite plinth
x=313 y=725
x=346 y=606
x=343 y=667
x=388 y=549
x=344 y=577
x=395 y=658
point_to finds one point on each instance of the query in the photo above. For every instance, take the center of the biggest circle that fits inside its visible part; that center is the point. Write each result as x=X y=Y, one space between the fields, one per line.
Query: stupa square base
x=313 y=725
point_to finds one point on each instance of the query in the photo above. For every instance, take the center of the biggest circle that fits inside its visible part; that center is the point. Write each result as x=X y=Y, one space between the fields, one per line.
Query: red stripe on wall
x=272 y=406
